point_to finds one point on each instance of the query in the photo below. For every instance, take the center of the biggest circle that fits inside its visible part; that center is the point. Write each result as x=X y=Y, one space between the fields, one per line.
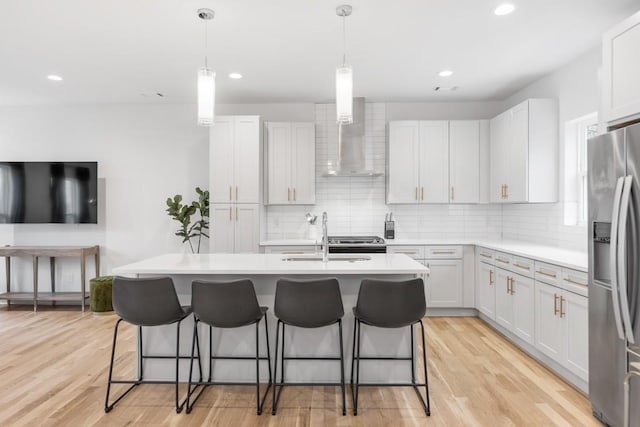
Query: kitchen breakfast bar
x=264 y=270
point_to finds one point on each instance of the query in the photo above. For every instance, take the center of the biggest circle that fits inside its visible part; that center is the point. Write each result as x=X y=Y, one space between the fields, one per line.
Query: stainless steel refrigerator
x=614 y=270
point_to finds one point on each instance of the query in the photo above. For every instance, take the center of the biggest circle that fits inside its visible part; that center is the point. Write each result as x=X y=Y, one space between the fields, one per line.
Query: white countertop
x=553 y=255
x=265 y=264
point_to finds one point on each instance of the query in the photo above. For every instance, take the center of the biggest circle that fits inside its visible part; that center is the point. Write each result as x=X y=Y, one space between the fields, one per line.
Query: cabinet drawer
x=575 y=281
x=415 y=252
x=443 y=252
x=503 y=260
x=548 y=273
x=289 y=250
x=522 y=266
x=485 y=255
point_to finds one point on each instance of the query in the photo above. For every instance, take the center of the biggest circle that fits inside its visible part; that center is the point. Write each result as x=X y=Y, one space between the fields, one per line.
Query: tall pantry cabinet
x=235 y=171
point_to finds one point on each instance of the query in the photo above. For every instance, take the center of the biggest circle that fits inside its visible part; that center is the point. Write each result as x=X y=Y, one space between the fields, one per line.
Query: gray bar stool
x=147 y=302
x=390 y=304
x=307 y=304
x=231 y=304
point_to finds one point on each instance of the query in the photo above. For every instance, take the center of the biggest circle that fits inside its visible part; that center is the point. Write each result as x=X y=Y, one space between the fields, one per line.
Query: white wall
x=576 y=86
x=145 y=153
x=443 y=110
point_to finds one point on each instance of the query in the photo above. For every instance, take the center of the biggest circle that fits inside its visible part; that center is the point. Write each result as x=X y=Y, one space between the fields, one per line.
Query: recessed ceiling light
x=445 y=73
x=54 y=78
x=446 y=88
x=235 y=76
x=504 y=9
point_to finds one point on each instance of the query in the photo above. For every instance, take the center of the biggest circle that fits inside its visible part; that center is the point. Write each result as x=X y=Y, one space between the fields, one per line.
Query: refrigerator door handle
x=613 y=247
x=622 y=257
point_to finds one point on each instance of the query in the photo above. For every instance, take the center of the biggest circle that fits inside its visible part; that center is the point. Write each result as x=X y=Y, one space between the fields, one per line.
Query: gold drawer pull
x=406 y=252
x=485 y=255
x=490 y=277
x=504 y=261
x=555 y=304
x=525 y=267
x=574 y=282
x=443 y=252
x=546 y=274
x=292 y=252
x=562 y=312
x=230 y=192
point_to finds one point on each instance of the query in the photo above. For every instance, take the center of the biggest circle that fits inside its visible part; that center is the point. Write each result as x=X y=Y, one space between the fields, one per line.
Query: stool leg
x=140 y=355
x=178 y=406
x=413 y=360
x=193 y=347
x=107 y=407
x=258 y=407
x=355 y=403
x=210 y=353
x=275 y=374
x=427 y=407
x=353 y=361
x=342 y=386
x=266 y=332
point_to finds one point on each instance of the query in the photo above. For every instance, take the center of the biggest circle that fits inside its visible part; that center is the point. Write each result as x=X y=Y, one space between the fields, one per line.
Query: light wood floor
x=53 y=370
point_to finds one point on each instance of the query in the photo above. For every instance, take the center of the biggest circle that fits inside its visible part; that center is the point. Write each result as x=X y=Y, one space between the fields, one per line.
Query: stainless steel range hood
x=352 y=147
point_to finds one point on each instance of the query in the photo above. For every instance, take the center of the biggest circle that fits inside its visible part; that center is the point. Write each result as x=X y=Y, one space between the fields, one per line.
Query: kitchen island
x=265 y=270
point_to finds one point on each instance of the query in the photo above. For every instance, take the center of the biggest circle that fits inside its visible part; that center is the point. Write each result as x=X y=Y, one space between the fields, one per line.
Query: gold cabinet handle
x=562 y=312
x=293 y=252
x=236 y=193
x=406 y=252
x=230 y=192
x=421 y=193
x=294 y=194
x=237 y=213
x=569 y=280
x=504 y=261
x=485 y=255
x=443 y=252
x=513 y=292
x=416 y=193
x=452 y=193
x=555 y=304
x=288 y=194
x=230 y=214
x=546 y=274
x=506 y=191
x=502 y=191
x=525 y=267
x=490 y=277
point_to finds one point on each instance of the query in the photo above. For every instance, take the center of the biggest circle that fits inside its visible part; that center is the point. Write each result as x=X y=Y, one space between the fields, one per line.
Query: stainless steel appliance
x=356 y=244
x=614 y=271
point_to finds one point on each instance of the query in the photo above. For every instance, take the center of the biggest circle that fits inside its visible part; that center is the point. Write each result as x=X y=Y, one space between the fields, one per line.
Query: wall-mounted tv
x=48 y=192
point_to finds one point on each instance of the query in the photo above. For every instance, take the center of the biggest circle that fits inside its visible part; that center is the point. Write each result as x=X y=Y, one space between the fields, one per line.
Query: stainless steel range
x=356 y=244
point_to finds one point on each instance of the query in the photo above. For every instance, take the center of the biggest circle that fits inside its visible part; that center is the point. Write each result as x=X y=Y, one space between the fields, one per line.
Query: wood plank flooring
x=54 y=363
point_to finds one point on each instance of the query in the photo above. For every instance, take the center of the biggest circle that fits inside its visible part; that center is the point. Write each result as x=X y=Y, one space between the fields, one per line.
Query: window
x=577 y=132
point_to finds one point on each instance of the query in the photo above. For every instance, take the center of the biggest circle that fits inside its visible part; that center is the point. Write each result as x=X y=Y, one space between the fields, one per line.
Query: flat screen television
x=48 y=192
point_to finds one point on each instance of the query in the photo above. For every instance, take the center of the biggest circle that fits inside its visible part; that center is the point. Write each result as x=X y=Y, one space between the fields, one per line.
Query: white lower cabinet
x=487 y=290
x=444 y=283
x=235 y=228
x=562 y=327
x=514 y=303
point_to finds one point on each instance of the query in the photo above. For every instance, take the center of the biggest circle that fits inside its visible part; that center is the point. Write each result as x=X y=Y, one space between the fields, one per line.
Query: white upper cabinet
x=234 y=160
x=290 y=163
x=524 y=153
x=620 y=71
x=403 y=162
x=435 y=161
x=464 y=165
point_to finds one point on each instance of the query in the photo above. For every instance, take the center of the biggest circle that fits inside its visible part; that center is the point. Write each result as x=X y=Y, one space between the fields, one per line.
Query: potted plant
x=183 y=213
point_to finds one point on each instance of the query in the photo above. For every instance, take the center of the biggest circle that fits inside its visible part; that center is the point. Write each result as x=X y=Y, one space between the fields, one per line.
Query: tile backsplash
x=356 y=205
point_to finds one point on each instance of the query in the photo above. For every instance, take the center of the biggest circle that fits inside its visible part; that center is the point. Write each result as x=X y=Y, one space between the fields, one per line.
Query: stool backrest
x=308 y=303
x=147 y=301
x=391 y=304
x=227 y=304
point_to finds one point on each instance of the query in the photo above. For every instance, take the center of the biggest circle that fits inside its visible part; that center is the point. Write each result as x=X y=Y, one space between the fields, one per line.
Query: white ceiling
x=111 y=51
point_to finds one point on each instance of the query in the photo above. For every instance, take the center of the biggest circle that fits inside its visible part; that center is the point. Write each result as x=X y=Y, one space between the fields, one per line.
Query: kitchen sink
x=349 y=258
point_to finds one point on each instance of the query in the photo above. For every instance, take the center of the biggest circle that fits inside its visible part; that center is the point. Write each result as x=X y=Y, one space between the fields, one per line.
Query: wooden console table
x=52 y=252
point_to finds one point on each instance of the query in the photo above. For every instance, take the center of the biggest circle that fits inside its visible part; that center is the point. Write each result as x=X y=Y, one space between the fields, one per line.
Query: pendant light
x=206 y=80
x=344 y=75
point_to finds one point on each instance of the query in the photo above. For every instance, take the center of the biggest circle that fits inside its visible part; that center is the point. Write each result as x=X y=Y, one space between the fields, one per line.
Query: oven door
x=357 y=249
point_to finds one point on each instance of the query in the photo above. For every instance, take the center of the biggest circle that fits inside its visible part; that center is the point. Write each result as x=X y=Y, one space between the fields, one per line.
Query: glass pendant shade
x=344 y=94
x=206 y=96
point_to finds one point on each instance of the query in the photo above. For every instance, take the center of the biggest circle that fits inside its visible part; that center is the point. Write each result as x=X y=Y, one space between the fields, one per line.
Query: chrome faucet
x=325 y=239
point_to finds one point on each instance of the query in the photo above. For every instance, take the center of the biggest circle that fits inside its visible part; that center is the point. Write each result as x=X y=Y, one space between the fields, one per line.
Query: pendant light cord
x=206 y=38
x=344 y=39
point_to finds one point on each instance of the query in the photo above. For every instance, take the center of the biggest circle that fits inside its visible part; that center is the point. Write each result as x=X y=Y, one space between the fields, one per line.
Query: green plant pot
x=100 y=289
